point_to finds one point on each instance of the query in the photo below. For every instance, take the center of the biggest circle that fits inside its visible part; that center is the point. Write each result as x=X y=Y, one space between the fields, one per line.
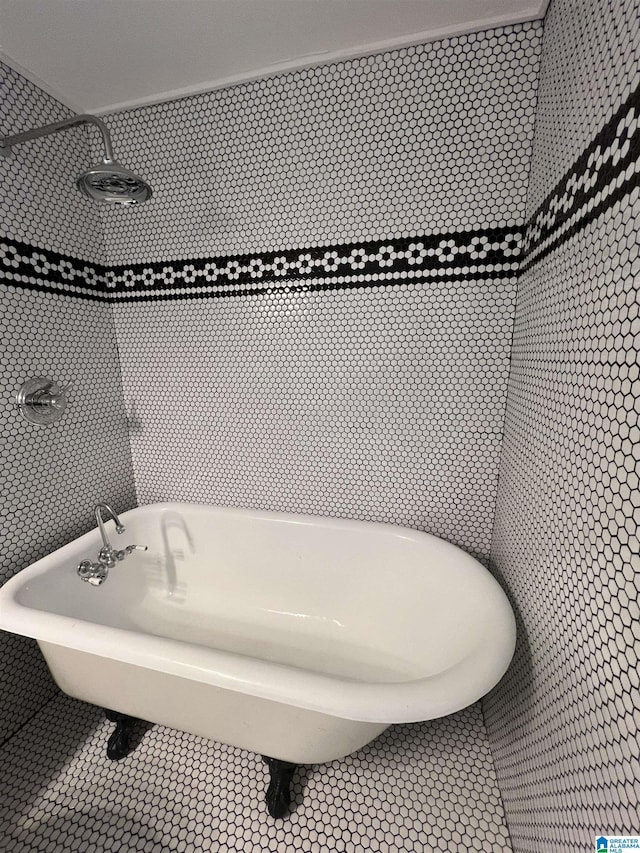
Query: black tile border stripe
x=603 y=174
x=611 y=160
x=33 y=268
x=581 y=219
x=453 y=256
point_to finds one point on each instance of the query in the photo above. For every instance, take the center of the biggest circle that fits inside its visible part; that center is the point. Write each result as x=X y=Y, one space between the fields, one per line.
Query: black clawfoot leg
x=278 y=793
x=119 y=746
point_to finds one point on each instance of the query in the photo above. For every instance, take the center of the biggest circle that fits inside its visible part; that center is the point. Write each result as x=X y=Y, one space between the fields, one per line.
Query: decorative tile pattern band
x=37 y=269
x=486 y=253
x=603 y=174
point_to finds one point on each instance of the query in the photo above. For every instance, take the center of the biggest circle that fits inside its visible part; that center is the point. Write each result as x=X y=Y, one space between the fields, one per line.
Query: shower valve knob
x=41 y=400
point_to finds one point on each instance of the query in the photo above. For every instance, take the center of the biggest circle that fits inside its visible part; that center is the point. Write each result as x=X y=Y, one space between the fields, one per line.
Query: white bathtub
x=298 y=637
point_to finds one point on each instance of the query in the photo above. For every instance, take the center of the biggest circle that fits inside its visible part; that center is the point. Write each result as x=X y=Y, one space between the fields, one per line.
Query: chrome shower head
x=111 y=183
x=108 y=181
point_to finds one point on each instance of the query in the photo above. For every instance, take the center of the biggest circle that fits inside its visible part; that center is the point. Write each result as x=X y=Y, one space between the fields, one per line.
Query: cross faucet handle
x=93 y=573
x=120 y=555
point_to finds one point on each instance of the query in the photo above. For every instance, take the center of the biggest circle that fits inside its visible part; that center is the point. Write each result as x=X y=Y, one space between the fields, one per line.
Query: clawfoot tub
x=300 y=638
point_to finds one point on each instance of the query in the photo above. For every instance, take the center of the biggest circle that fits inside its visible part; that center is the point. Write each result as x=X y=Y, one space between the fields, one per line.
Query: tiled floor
x=423 y=787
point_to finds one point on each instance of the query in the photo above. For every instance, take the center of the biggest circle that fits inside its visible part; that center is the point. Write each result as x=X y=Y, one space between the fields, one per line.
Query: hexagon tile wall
x=355 y=229
x=40 y=204
x=564 y=724
x=51 y=476
x=426 y=140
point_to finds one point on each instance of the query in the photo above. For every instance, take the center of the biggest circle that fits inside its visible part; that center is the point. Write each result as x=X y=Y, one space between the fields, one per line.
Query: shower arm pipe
x=6 y=142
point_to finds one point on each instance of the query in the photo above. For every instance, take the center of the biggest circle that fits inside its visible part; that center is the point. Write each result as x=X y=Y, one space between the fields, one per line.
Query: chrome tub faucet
x=96 y=573
x=107 y=554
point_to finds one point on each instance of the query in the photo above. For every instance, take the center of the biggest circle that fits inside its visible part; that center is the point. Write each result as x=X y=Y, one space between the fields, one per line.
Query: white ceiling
x=101 y=55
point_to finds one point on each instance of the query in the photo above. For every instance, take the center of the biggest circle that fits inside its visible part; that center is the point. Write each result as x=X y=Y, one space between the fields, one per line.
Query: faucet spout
x=96 y=573
x=119 y=526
